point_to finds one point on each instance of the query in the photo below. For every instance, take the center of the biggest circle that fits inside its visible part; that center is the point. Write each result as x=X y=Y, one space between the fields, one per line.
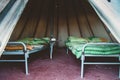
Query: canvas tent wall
x=71 y=18
x=109 y=13
x=10 y=11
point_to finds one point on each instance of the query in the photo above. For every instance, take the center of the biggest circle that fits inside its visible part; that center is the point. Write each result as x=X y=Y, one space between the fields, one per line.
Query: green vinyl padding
x=76 y=39
x=35 y=41
x=76 y=48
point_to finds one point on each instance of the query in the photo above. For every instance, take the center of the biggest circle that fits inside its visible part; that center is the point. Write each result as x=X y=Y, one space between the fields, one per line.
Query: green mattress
x=76 y=47
x=35 y=41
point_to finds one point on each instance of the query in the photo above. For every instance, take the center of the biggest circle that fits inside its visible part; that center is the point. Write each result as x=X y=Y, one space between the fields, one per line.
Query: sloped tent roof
x=109 y=13
x=10 y=11
x=3 y=3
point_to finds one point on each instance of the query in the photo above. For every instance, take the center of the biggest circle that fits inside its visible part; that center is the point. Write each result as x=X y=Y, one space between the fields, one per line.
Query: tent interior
x=59 y=19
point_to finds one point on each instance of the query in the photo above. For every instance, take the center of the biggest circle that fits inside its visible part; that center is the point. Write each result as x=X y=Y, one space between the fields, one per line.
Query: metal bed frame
x=84 y=56
x=25 y=53
x=83 y=62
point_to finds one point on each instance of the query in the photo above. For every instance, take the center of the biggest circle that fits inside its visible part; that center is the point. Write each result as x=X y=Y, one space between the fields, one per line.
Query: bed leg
x=67 y=50
x=82 y=65
x=51 y=49
x=119 y=67
x=119 y=71
x=26 y=63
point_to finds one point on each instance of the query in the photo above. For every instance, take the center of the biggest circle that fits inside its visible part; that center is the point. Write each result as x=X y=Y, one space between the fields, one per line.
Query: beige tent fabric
x=109 y=13
x=3 y=4
x=7 y=24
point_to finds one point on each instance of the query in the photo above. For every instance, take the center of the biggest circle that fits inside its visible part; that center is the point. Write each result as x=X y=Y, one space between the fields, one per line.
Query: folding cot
x=21 y=49
x=95 y=47
x=108 y=12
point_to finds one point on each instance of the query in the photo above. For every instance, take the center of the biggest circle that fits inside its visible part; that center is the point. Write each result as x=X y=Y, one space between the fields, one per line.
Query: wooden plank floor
x=61 y=18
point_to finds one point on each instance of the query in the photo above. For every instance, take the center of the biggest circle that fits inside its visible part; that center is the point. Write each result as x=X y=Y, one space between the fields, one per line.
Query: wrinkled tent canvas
x=109 y=13
x=10 y=11
x=3 y=3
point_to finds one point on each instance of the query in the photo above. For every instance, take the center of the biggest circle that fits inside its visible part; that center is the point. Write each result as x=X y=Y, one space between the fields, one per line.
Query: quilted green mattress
x=35 y=41
x=76 y=46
